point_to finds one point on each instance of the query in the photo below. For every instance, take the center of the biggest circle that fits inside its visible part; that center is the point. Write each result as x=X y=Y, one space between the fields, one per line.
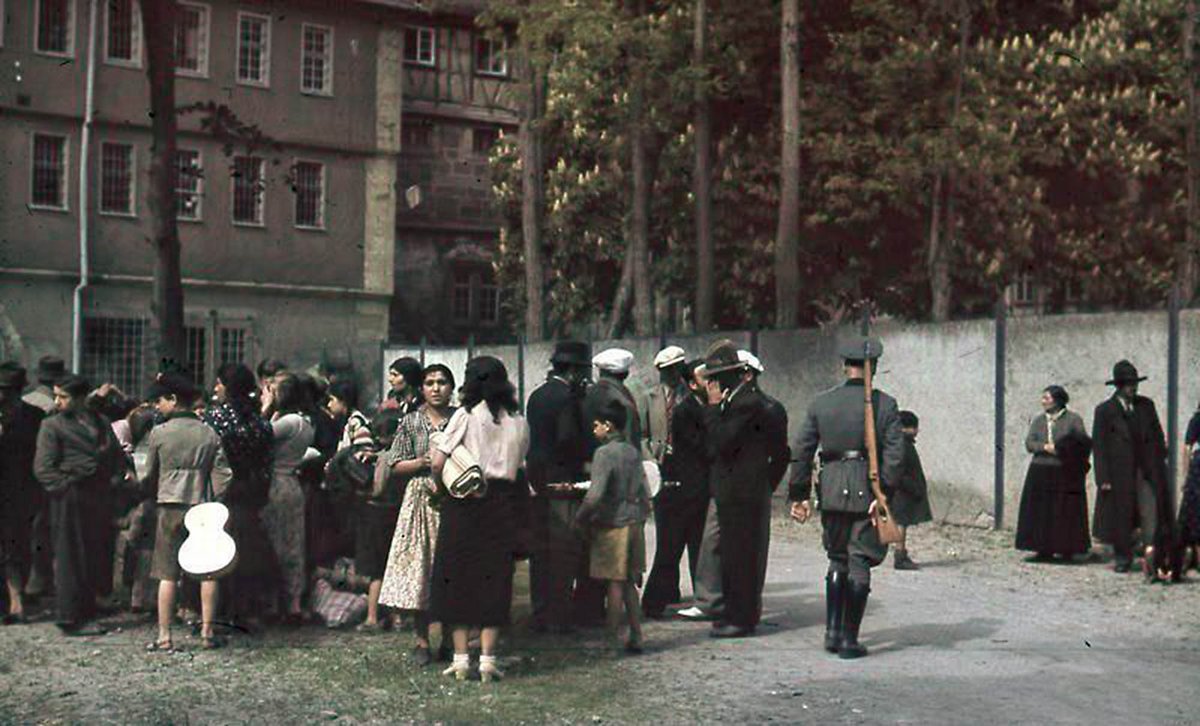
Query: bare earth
x=978 y=636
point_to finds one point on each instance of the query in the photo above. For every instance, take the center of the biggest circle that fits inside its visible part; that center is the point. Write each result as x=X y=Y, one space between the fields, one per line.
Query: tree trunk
x=643 y=180
x=533 y=196
x=621 y=298
x=787 y=238
x=941 y=254
x=158 y=16
x=1187 y=272
x=702 y=178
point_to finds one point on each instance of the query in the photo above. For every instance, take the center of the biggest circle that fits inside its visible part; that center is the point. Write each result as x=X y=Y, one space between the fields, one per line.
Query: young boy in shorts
x=614 y=513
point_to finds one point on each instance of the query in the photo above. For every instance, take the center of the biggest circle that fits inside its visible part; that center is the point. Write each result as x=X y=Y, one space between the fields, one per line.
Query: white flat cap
x=669 y=356
x=751 y=360
x=613 y=360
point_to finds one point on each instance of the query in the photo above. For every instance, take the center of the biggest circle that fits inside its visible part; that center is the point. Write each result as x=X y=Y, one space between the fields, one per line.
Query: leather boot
x=856 y=605
x=835 y=596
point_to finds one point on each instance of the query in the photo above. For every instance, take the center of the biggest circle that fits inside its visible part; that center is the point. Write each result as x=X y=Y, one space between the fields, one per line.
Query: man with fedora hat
x=1129 y=451
x=835 y=424
x=20 y=493
x=744 y=442
x=559 y=448
x=50 y=370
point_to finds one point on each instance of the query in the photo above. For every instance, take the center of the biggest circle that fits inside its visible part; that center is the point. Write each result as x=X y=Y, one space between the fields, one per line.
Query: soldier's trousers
x=852 y=545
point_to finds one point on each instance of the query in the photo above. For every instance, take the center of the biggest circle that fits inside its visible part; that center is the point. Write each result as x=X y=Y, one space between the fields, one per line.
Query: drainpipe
x=85 y=143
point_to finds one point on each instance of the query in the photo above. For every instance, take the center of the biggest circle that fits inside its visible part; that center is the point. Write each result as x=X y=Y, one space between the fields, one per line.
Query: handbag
x=462 y=476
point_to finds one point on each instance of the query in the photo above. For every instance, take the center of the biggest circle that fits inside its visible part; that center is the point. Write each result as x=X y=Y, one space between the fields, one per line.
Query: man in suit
x=1129 y=451
x=50 y=370
x=835 y=424
x=559 y=447
x=754 y=369
x=612 y=366
x=748 y=454
x=675 y=436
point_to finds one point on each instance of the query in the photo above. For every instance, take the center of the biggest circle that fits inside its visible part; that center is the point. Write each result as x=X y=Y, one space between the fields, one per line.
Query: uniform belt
x=828 y=457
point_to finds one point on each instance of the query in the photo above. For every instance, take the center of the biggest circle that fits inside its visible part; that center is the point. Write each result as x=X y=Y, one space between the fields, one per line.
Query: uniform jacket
x=1126 y=446
x=559 y=438
x=834 y=424
x=76 y=450
x=179 y=462
x=747 y=447
x=607 y=389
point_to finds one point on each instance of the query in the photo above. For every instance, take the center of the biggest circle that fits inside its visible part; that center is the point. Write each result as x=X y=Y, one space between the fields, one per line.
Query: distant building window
x=196 y=353
x=420 y=46
x=483 y=139
x=416 y=135
x=55 y=34
x=316 y=60
x=49 y=173
x=191 y=40
x=116 y=179
x=491 y=56
x=122 y=32
x=475 y=296
x=231 y=346
x=249 y=187
x=1024 y=289
x=189 y=185
x=114 y=351
x=309 y=186
x=254 y=49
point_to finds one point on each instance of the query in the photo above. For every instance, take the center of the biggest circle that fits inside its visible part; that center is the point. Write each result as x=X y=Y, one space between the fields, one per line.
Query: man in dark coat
x=613 y=367
x=559 y=447
x=50 y=370
x=20 y=493
x=1129 y=452
x=835 y=424
x=755 y=369
x=747 y=449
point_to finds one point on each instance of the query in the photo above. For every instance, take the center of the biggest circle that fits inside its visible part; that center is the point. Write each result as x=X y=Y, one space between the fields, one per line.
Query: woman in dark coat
x=1187 y=539
x=910 y=500
x=76 y=460
x=1053 y=515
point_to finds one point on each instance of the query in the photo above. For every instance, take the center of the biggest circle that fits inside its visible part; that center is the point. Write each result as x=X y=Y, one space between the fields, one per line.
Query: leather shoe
x=695 y=613
x=730 y=631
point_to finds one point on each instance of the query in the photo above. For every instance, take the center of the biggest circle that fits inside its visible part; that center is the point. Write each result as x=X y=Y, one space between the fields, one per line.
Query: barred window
x=196 y=353
x=49 y=173
x=232 y=345
x=316 y=60
x=248 y=188
x=191 y=40
x=309 y=186
x=122 y=32
x=55 y=29
x=116 y=178
x=114 y=351
x=491 y=56
x=420 y=46
x=254 y=49
x=189 y=185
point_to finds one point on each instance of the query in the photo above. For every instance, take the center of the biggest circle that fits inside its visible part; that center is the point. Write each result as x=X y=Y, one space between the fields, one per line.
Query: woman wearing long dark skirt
x=1053 y=515
x=473 y=561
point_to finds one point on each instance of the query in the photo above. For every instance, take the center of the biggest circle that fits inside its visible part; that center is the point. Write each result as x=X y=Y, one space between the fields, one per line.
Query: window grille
x=232 y=345
x=116 y=178
x=49 y=171
x=189 y=181
x=114 y=351
x=248 y=187
x=191 y=40
x=254 y=49
x=122 y=36
x=420 y=46
x=316 y=62
x=54 y=34
x=491 y=57
x=310 y=194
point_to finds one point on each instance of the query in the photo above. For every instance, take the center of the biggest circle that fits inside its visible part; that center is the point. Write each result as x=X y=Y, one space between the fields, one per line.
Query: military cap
x=669 y=356
x=860 y=347
x=613 y=360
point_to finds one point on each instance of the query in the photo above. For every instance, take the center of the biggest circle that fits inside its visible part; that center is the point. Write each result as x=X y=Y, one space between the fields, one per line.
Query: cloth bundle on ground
x=343 y=576
x=337 y=608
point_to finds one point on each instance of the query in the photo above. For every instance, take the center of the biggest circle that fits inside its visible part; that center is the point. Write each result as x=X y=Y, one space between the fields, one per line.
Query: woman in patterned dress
x=406 y=579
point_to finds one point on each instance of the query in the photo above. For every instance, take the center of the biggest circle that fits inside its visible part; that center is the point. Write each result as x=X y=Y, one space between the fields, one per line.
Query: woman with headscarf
x=473 y=561
x=1053 y=515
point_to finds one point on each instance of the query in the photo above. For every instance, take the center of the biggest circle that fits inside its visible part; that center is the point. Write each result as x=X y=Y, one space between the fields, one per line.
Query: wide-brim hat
x=51 y=369
x=722 y=356
x=860 y=347
x=572 y=353
x=1124 y=372
x=12 y=375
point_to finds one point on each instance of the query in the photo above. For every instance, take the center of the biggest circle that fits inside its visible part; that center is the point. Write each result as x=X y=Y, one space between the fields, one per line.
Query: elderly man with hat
x=835 y=424
x=20 y=493
x=744 y=439
x=1129 y=450
x=559 y=447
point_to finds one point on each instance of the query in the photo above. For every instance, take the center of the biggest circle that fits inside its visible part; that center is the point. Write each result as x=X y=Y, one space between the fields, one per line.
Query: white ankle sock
x=463 y=660
x=487 y=659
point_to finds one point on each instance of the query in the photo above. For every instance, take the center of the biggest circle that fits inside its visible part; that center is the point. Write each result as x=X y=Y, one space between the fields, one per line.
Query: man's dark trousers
x=742 y=558
x=678 y=524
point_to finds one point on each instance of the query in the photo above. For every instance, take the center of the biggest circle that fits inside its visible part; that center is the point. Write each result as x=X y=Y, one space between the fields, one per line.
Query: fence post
x=998 y=426
x=521 y=372
x=423 y=344
x=1173 y=394
x=470 y=346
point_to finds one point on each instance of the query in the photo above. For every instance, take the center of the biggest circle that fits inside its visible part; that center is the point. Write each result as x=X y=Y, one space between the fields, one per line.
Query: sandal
x=212 y=642
x=161 y=646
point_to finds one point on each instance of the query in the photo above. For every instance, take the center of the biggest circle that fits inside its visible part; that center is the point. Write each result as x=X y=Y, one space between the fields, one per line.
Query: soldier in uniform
x=835 y=425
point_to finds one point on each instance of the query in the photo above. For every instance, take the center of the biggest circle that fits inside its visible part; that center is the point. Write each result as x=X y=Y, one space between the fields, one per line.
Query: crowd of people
x=435 y=495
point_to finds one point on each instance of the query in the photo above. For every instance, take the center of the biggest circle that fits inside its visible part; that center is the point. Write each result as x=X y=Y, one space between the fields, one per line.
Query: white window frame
x=131 y=213
x=262 y=199
x=503 y=56
x=202 y=51
x=327 y=90
x=66 y=171
x=265 y=82
x=199 y=193
x=321 y=221
x=37 y=28
x=416 y=59
x=138 y=30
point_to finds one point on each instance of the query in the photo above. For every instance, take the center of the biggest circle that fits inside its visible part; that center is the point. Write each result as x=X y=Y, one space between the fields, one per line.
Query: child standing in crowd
x=910 y=501
x=615 y=509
